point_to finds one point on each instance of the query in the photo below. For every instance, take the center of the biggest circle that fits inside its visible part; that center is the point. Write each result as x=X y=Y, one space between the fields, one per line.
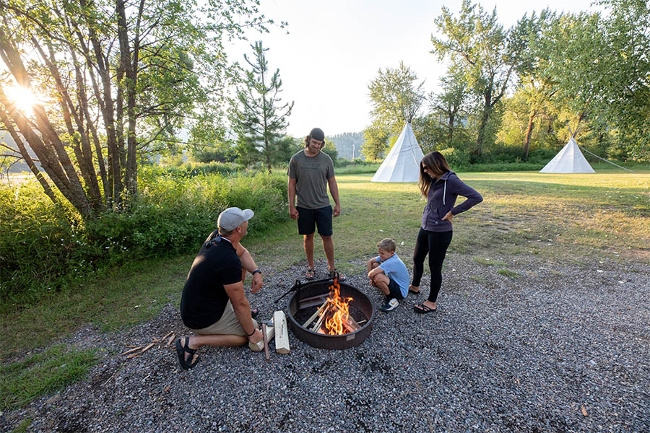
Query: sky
x=332 y=50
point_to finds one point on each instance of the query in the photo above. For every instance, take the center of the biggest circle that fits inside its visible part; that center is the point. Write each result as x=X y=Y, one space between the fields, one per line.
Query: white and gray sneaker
x=389 y=305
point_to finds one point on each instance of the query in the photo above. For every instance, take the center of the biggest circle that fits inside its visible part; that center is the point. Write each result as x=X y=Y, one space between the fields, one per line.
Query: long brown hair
x=308 y=138
x=437 y=164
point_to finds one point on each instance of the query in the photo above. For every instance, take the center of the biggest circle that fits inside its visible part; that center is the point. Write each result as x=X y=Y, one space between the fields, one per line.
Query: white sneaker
x=390 y=305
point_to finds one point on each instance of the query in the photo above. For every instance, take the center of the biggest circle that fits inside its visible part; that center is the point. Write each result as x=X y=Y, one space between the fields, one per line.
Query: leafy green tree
x=452 y=105
x=396 y=98
x=258 y=115
x=533 y=98
x=207 y=140
x=375 y=142
x=475 y=41
x=116 y=79
x=621 y=75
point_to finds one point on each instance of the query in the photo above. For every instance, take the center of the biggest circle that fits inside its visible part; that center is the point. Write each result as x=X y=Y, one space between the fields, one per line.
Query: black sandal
x=181 y=350
x=334 y=274
x=423 y=309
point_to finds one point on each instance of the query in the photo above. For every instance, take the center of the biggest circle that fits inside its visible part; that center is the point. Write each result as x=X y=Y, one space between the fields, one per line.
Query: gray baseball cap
x=233 y=217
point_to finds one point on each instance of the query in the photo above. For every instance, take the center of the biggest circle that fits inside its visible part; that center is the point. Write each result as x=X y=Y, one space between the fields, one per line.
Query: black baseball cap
x=317 y=134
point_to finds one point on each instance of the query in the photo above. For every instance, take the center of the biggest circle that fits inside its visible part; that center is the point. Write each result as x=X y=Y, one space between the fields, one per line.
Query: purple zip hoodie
x=442 y=198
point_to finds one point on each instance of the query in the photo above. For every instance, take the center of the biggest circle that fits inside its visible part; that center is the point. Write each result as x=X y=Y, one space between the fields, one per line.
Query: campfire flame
x=338 y=313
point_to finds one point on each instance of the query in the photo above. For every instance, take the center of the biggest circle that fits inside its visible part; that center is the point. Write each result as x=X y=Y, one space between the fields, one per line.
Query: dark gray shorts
x=309 y=219
x=395 y=291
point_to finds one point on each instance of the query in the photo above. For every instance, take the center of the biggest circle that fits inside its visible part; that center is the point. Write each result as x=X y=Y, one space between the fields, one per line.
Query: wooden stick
x=135 y=349
x=350 y=327
x=321 y=318
x=311 y=298
x=170 y=339
x=168 y=334
x=266 y=342
x=312 y=301
x=147 y=348
x=311 y=319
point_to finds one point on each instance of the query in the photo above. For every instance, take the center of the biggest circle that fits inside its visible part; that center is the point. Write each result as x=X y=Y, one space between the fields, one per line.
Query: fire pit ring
x=306 y=300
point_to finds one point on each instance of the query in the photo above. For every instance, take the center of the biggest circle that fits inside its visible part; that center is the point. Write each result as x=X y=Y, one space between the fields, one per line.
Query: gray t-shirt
x=311 y=174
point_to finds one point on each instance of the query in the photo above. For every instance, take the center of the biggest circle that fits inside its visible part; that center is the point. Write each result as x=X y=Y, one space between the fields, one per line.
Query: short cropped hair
x=386 y=244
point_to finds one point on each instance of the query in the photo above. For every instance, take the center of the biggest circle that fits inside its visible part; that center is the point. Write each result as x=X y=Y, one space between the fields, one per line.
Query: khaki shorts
x=227 y=325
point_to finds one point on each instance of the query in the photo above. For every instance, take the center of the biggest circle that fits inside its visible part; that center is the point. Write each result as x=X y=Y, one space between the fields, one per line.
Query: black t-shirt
x=204 y=298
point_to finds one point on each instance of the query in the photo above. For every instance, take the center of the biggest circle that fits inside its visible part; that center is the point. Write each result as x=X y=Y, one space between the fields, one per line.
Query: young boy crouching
x=388 y=273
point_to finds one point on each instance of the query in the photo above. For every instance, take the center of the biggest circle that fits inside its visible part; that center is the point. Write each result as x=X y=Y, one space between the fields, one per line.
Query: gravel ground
x=557 y=347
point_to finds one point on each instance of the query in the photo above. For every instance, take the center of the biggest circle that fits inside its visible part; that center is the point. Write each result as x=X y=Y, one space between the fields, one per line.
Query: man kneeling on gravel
x=213 y=305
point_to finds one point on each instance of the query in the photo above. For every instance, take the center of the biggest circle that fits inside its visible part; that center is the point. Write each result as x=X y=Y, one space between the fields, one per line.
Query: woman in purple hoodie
x=440 y=186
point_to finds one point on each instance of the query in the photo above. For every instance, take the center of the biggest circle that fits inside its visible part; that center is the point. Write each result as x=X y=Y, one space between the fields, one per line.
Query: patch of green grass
x=508 y=273
x=479 y=279
x=118 y=298
x=42 y=373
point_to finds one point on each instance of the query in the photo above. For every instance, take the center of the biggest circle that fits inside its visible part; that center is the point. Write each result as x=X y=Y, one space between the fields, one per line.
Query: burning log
x=333 y=315
x=322 y=316
x=351 y=325
x=311 y=319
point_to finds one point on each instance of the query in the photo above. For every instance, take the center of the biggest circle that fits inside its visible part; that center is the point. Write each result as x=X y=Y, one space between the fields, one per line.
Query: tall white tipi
x=568 y=160
x=402 y=164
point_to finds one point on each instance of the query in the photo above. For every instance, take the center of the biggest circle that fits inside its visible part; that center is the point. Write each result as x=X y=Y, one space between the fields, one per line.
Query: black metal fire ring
x=306 y=299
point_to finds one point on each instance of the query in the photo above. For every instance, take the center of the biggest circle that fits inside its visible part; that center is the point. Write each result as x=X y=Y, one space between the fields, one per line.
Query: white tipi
x=568 y=160
x=402 y=164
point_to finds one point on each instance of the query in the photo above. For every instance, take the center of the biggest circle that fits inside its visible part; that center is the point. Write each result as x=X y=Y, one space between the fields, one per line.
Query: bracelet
x=256 y=271
x=252 y=332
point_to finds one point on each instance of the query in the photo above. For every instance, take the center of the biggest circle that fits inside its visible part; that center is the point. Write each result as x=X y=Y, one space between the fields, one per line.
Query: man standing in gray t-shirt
x=310 y=173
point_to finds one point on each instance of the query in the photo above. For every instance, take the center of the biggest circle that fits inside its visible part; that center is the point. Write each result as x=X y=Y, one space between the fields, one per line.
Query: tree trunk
x=529 y=133
x=47 y=144
x=452 y=120
x=480 y=139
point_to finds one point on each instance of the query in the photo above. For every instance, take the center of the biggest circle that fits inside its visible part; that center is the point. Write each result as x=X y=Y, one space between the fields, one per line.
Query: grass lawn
x=562 y=217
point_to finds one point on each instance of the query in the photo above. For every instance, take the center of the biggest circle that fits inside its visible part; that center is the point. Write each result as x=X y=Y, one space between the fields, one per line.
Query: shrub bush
x=43 y=246
x=457 y=159
x=37 y=239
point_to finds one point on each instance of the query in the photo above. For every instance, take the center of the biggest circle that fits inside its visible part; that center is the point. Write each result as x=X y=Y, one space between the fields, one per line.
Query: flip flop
x=423 y=309
x=416 y=292
x=309 y=275
x=181 y=350
x=254 y=312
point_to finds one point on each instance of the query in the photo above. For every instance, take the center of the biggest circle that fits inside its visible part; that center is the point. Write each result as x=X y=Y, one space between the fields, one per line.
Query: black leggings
x=435 y=244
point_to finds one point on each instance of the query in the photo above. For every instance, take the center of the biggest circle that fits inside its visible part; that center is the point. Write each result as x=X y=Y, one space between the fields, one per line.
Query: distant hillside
x=348 y=144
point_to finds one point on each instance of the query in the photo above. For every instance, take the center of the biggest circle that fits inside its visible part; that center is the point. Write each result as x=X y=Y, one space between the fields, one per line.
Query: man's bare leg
x=216 y=340
x=309 y=250
x=328 y=247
